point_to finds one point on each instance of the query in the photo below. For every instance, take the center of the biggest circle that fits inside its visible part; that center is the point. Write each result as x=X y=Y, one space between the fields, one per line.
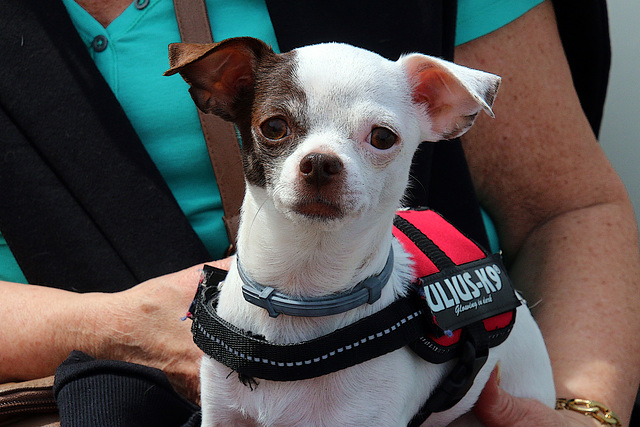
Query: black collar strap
x=389 y=329
x=367 y=291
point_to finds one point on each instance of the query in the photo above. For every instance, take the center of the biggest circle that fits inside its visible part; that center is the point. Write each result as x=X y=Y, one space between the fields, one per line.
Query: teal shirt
x=161 y=110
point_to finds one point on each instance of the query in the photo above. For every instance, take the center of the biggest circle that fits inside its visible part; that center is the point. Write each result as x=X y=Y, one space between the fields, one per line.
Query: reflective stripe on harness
x=389 y=329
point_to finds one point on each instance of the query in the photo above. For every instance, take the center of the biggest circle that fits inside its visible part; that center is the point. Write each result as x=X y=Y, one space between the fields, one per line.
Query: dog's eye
x=383 y=138
x=274 y=128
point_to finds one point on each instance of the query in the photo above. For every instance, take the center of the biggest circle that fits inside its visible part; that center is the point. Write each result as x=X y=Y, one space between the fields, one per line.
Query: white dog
x=329 y=132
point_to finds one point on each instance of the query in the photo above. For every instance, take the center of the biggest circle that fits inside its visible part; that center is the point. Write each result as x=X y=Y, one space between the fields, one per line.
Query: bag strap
x=220 y=136
x=25 y=400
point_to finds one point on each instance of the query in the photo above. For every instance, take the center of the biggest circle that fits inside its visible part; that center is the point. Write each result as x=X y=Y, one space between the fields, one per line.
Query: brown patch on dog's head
x=244 y=81
x=221 y=75
x=276 y=95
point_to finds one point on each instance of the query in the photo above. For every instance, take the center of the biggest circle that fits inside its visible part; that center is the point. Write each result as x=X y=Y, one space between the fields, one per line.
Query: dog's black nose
x=319 y=168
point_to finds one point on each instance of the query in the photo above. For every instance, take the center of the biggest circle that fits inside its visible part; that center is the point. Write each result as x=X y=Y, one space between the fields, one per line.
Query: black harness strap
x=475 y=351
x=388 y=330
x=473 y=346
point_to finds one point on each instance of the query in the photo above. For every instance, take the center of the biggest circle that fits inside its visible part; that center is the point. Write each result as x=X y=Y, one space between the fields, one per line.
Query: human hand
x=497 y=408
x=144 y=325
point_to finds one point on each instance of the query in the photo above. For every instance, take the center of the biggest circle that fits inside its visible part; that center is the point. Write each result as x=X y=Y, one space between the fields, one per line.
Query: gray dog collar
x=367 y=291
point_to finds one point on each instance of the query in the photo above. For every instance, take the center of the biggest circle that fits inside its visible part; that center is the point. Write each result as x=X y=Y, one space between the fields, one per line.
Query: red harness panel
x=449 y=239
x=458 y=247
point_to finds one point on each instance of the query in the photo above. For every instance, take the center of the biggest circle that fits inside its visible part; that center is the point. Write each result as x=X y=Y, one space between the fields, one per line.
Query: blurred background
x=620 y=131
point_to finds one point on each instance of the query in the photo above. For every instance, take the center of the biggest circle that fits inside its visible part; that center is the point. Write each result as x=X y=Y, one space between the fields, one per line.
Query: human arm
x=41 y=326
x=563 y=216
x=497 y=408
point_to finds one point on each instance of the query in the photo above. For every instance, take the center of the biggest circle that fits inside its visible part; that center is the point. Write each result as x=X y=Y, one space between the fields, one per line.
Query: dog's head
x=329 y=130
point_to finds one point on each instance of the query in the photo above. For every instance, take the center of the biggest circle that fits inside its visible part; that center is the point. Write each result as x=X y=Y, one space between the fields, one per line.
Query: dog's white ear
x=451 y=94
x=220 y=74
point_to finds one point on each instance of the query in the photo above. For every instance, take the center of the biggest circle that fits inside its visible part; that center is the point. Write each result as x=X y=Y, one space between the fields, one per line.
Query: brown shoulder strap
x=220 y=136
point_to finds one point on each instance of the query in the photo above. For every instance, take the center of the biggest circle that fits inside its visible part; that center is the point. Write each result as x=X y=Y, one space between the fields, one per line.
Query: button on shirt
x=132 y=53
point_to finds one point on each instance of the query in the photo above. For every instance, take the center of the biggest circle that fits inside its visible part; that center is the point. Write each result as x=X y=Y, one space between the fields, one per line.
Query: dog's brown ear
x=182 y=54
x=452 y=94
x=220 y=74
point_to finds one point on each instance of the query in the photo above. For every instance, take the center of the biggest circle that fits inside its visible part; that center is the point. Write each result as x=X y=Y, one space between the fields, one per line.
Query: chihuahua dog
x=328 y=136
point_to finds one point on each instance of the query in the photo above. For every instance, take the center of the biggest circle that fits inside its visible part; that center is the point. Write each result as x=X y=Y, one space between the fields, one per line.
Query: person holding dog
x=563 y=218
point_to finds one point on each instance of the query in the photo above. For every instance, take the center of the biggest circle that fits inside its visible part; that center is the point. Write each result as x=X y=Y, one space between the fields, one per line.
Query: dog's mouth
x=319 y=208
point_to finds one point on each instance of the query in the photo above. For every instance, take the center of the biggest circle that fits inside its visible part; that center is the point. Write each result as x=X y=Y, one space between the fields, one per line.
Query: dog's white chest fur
x=329 y=133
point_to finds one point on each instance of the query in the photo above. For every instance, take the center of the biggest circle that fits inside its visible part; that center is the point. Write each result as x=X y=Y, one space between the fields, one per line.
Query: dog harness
x=461 y=303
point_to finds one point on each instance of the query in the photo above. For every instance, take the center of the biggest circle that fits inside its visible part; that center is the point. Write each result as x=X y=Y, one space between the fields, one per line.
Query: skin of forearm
x=563 y=216
x=40 y=326
x=580 y=270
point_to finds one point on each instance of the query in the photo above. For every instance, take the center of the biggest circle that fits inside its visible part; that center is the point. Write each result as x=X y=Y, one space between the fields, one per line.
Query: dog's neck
x=305 y=260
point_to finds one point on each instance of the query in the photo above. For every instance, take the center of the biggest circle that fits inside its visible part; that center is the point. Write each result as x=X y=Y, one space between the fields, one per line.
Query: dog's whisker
x=414 y=184
x=535 y=304
x=253 y=220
